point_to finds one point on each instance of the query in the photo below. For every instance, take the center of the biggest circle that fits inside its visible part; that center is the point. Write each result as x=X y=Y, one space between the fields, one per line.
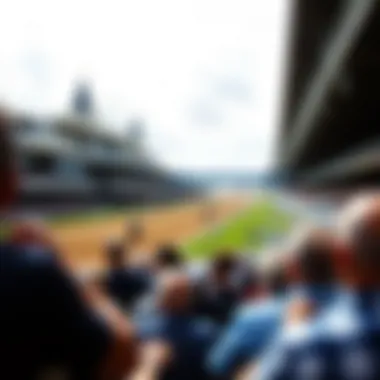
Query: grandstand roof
x=330 y=132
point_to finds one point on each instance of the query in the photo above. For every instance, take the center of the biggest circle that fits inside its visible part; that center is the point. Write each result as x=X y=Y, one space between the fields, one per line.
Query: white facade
x=76 y=158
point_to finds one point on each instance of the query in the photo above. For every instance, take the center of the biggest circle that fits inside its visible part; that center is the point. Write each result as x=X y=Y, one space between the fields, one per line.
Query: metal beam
x=348 y=31
x=355 y=162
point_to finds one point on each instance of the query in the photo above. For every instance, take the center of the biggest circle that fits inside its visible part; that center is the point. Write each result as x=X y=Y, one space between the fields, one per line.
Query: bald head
x=312 y=253
x=359 y=226
x=174 y=292
x=362 y=209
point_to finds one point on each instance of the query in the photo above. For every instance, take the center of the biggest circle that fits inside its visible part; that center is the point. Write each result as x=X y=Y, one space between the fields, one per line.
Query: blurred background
x=169 y=155
x=190 y=86
x=120 y=104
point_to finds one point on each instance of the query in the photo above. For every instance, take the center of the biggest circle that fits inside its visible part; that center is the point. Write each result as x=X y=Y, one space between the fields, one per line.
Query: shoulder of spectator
x=257 y=311
x=278 y=356
x=44 y=264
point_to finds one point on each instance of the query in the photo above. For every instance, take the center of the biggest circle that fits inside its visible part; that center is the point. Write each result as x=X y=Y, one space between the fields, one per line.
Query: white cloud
x=163 y=60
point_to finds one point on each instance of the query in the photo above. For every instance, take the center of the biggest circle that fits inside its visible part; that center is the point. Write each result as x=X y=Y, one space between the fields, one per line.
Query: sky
x=203 y=75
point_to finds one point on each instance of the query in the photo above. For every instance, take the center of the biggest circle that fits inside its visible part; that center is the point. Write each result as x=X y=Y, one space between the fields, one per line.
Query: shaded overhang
x=330 y=132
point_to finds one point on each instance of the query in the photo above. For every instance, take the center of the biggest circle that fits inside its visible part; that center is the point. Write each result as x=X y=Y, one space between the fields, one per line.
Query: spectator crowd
x=308 y=310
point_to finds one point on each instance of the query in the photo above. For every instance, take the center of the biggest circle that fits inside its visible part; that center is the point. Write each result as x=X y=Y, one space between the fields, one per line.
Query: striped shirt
x=343 y=344
x=256 y=324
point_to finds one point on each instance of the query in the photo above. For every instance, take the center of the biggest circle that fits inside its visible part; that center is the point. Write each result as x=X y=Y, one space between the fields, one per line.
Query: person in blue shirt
x=167 y=257
x=49 y=324
x=343 y=342
x=125 y=284
x=310 y=266
x=216 y=294
x=252 y=325
x=308 y=272
x=187 y=337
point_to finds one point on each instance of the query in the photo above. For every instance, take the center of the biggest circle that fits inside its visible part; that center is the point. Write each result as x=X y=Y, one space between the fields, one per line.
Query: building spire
x=82 y=102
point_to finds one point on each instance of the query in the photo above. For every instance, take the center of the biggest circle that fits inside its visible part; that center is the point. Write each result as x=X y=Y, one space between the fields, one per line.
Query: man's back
x=190 y=339
x=343 y=343
x=44 y=323
x=127 y=285
x=248 y=333
x=214 y=302
x=256 y=324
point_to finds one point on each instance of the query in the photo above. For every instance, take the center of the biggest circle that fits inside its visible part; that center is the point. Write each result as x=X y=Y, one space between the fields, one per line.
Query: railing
x=55 y=183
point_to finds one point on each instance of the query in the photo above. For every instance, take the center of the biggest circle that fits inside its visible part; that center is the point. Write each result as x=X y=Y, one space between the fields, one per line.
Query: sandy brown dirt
x=81 y=242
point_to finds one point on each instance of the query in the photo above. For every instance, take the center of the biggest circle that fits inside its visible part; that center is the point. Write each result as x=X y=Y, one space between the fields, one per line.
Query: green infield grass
x=259 y=224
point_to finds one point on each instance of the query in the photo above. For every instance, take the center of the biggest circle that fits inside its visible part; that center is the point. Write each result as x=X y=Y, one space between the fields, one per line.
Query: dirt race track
x=81 y=241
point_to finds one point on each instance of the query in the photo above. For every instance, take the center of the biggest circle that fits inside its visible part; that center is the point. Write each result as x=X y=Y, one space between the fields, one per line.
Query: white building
x=74 y=161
